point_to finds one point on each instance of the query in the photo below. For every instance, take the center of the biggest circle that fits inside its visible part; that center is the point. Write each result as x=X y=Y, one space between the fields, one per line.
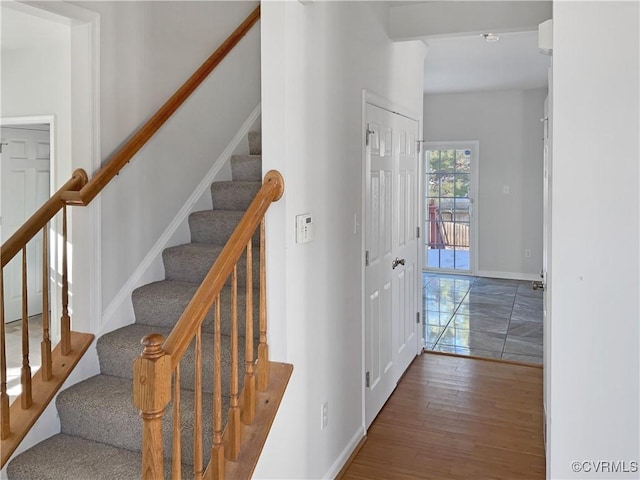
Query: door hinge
x=418 y=145
x=366 y=380
x=417 y=317
x=366 y=258
x=367 y=132
x=417 y=232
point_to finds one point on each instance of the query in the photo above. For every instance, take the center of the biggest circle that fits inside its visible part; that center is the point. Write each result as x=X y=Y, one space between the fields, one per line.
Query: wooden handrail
x=185 y=329
x=124 y=154
x=40 y=218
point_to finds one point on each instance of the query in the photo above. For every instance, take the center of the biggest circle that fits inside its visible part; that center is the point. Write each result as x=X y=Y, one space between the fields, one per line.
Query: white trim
x=475 y=203
x=527 y=277
x=112 y=317
x=96 y=213
x=363 y=246
x=340 y=462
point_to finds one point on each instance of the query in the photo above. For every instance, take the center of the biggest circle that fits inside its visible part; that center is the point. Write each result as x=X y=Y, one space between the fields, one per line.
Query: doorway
x=25 y=182
x=391 y=332
x=450 y=189
x=39 y=80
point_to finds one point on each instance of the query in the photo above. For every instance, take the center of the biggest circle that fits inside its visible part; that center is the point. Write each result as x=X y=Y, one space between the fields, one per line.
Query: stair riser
x=193 y=268
x=118 y=350
x=216 y=226
x=255 y=143
x=233 y=195
x=123 y=428
x=246 y=168
x=158 y=311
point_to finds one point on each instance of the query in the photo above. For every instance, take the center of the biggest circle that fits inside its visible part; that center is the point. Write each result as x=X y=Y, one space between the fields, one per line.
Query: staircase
x=101 y=431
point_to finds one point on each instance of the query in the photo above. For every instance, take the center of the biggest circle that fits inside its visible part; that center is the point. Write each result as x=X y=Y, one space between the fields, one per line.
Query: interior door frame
x=475 y=203
x=371 y=98
x=54 y=290
x=85 y=223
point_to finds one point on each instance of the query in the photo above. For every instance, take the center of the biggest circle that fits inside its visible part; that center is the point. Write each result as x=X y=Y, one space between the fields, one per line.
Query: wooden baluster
x=263 y=348
x=249 y=405
x=233 y=420
x=151 y=394
x=197 y=423
x=217 y=450
x=26 y=399
x=5 y=425
x=45 y=345
x=176 y=455
x=65 y=320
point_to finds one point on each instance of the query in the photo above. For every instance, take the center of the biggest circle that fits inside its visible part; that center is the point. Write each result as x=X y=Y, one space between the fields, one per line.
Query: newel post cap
x=152 y=376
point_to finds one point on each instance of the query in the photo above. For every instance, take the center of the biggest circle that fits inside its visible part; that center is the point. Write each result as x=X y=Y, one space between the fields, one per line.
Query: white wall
x=595 y=336
x=442 y=18
x=320 y=57
x=507 y=125
x=148 y=49
x=36 y=75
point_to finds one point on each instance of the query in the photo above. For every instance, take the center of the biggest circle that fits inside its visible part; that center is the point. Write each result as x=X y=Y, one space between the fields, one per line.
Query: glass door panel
x=448 y=209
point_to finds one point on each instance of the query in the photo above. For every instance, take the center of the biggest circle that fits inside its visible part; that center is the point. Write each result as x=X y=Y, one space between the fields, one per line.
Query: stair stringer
x=119 y=312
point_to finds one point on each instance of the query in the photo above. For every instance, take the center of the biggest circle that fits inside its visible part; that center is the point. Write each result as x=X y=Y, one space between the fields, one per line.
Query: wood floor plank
x=457 y=418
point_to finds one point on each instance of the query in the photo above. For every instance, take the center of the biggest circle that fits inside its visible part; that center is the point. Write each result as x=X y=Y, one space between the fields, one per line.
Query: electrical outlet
x=505 y=189
x=527 y=253
x=324 y=415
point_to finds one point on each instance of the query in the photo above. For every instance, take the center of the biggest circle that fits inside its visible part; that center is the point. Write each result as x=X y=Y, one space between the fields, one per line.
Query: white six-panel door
x=24 y=188
x=391 y=220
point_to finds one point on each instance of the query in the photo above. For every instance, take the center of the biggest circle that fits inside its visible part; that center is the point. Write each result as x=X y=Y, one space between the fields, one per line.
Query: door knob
x=537 y=285
x=396 y=262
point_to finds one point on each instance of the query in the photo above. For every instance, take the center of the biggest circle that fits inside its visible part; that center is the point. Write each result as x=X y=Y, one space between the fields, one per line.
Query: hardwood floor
x=457 y=418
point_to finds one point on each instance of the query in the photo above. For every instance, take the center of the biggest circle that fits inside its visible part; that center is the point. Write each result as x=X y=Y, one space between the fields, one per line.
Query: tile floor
x=483 y=317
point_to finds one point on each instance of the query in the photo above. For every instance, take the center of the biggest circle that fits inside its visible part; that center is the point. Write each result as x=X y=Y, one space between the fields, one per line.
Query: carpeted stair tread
x=233 y=195
x=192 y=261
x=118 y=349
x=246 y=168
x=255 y=142
x=101 y=409
x=162 y=303
x=66 y=457
x=216 y=226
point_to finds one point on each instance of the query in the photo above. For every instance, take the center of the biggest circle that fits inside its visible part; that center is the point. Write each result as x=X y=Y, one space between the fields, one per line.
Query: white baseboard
x=119 y=312
x=529 y=277
x=346 y=453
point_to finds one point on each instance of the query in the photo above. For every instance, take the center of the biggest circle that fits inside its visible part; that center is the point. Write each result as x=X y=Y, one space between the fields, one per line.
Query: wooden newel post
x=151 y=394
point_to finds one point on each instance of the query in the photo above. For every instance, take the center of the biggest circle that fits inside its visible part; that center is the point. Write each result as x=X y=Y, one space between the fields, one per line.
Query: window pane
x=463 y=161
x=434 y=186
x=447 y=158
x=433 y=162
x=461 y=188
x=447 y=186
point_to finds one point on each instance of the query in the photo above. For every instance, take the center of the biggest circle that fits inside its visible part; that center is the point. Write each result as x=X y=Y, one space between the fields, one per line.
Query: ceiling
x=468 y=63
